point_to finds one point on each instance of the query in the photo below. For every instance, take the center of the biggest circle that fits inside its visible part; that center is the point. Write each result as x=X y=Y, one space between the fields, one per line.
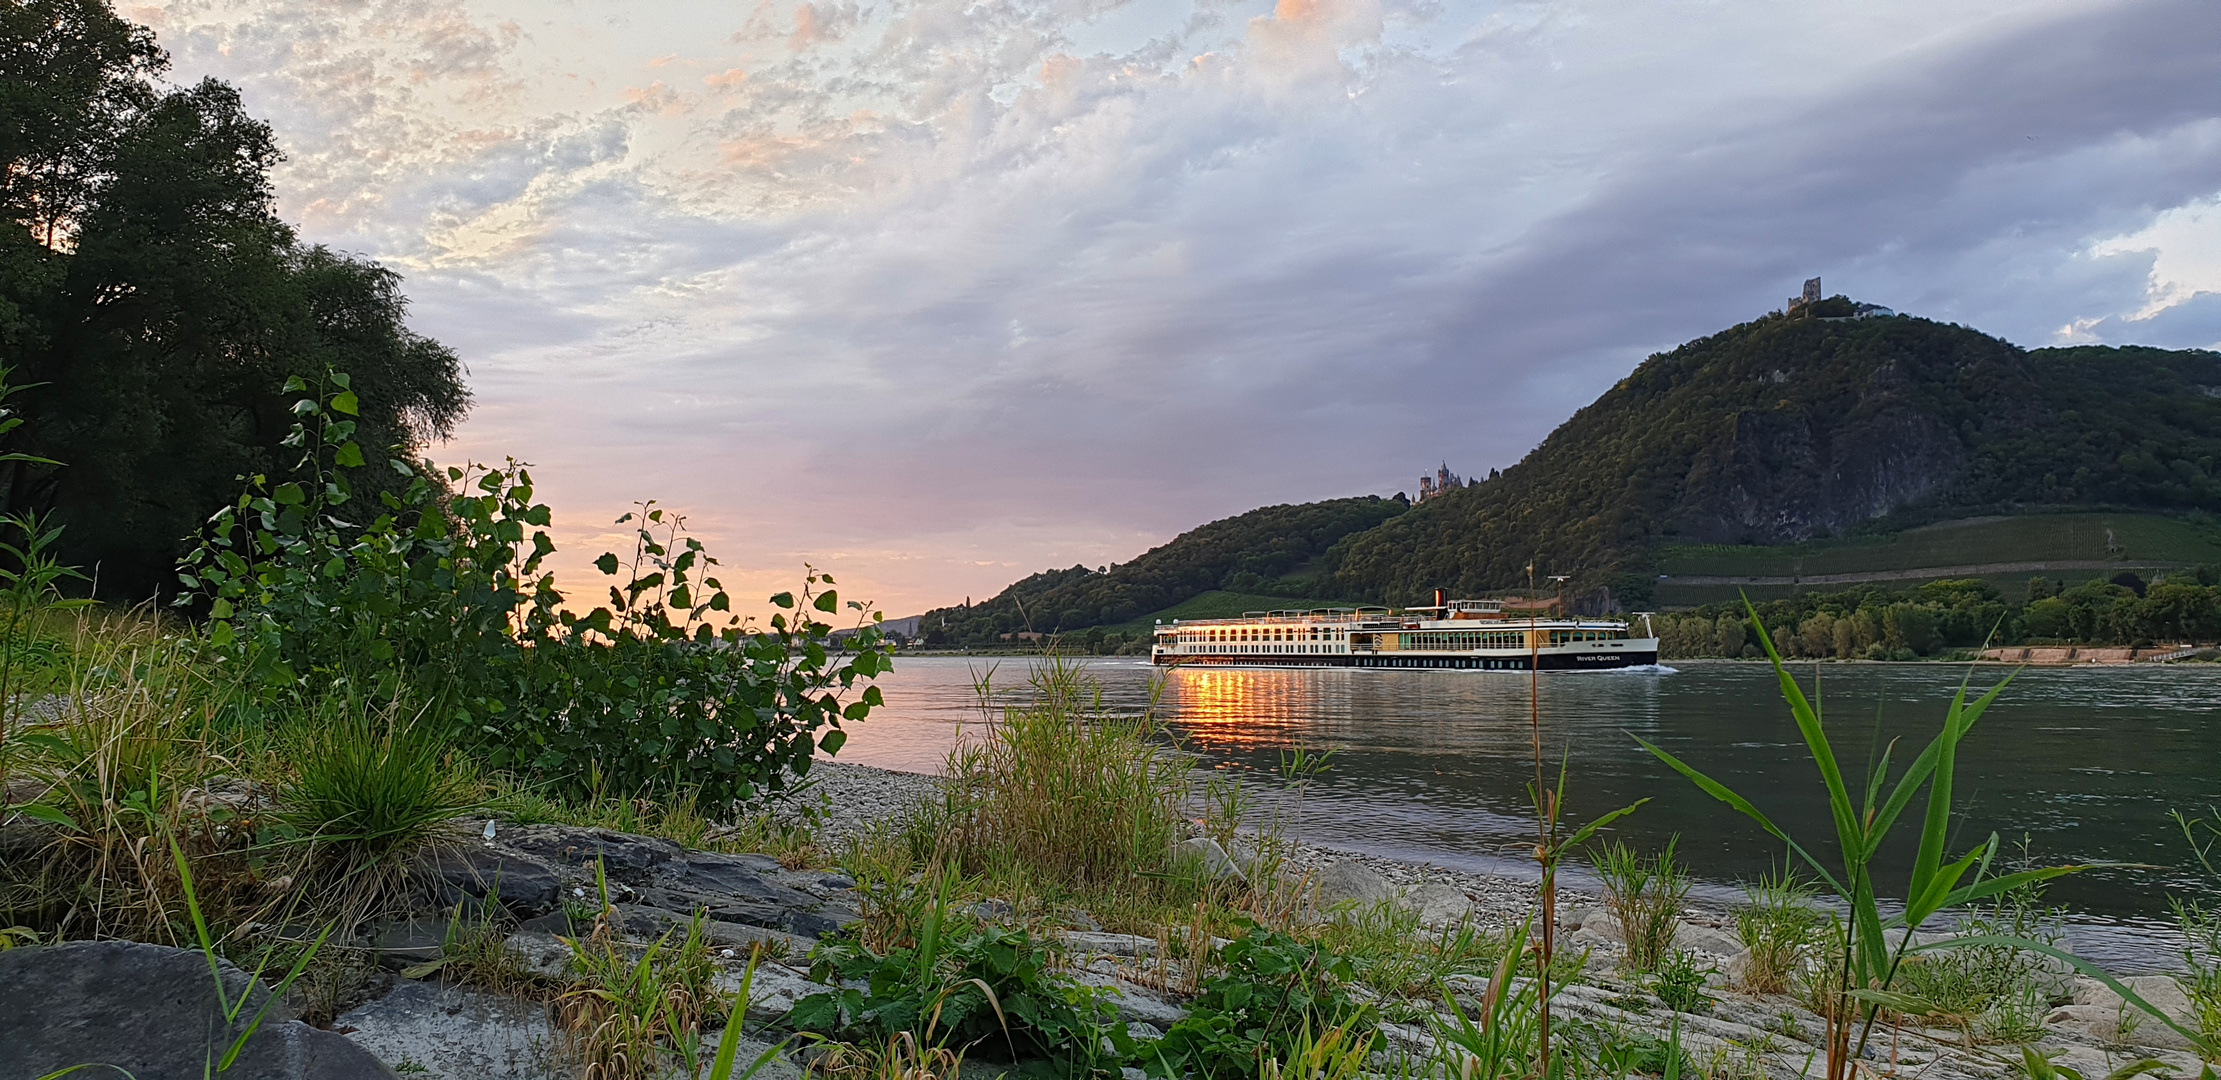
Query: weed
x=1504 y=1038
x=1776 y=923
x=1679 y=982
x=1643 y=893
x=1391 y=952
x=626 y=1012
x=1272 y=990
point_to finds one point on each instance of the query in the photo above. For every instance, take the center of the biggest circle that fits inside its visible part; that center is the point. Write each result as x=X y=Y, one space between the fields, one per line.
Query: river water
x=2081 y=764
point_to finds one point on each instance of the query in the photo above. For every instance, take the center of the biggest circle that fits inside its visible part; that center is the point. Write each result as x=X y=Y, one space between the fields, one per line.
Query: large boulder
x=1438 y=904
x=1212 y=859
x=153 y=1012
x=1347 y=881
x=2102 y=1014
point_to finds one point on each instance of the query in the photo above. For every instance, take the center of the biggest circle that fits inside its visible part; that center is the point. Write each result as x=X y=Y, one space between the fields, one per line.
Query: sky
x=933 y=294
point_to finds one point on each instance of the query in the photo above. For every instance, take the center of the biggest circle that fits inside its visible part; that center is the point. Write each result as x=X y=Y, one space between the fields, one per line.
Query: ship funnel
x=1442 y=598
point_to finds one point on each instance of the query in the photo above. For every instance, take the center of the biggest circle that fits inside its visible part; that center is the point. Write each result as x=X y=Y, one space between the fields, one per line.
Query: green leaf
x=785 y=600
x=832 y=741
x=349 y=456
x=1720 y=791
x=289 y=494
x=607 y=564
x=344 y=402
x=827 y=601
x=45 y=813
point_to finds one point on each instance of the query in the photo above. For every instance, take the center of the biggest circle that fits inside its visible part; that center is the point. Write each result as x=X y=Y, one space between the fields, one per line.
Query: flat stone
x=835 y=881
x=152 y=1011
x=773 y=993
x=540 y=953
x=817 y=924
x=1099 y=943
x=456 y=1033
x=733 y=876
x=407 y=942
x=1347 y=881
x=2102 y=1014
x=624 y=857
x=1603 y=926
x=522 y=884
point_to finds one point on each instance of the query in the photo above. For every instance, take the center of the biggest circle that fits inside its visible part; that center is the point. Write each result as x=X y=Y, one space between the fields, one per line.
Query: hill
x=1265 y=551
x=1792 y=445
x=1793 y=428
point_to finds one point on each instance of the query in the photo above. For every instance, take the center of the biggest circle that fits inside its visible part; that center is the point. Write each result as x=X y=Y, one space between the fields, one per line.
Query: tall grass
x=1776 y=924
x=1065 y=788
x=370 y=788
x=1644 y=894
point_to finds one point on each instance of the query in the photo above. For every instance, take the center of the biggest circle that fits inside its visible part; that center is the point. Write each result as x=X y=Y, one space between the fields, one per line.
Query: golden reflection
x=1235 y=708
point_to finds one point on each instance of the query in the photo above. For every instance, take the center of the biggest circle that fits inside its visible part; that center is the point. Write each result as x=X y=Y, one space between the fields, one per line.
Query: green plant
x=1776 y=923
x=1989 y=991
x=369 y=789
x=2038 y=1065
x=962 y=984
x=1643 y=893
x=1391 y=952
x=624 y=1014
x=1679 y=982
x=216 y=1060
x=726 y=1058
x=1868 y=964
x=442 y=595
x=1501 y=1038
x=1065 y=788
x=1271 y=990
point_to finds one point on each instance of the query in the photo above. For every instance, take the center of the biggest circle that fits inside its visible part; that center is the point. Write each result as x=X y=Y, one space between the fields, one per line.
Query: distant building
x=1441 y=483
x=1811 y=296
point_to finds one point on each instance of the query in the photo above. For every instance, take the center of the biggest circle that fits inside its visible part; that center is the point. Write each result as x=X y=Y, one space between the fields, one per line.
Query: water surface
x=2080 y=764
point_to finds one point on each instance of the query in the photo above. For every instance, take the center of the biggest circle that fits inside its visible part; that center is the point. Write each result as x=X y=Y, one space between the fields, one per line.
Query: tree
x=158 y=301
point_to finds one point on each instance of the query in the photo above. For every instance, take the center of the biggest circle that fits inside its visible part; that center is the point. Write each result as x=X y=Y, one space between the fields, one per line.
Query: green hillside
x=1882 y=451
x=1791 y=429
x=1262 y=556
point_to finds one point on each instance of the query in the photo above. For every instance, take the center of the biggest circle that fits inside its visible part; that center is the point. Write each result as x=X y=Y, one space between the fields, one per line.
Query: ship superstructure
x=1481 y=635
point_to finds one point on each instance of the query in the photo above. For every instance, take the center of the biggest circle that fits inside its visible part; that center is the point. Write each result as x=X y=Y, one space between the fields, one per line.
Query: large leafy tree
x=148 y=285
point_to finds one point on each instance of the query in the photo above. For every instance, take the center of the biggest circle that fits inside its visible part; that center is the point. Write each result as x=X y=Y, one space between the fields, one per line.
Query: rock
x=1602 y=925
x=1210 y=857
x=773 y=993
x=455 y=1033
x=1079 y=919
x=1098 y=943
x=521 y=884
x=1347 y=881
x=993 y=911
x=152 y=1011
x=1438 y=904
x=737 y=877
x=2116 y=1024
x=836 y=882
x=2103 y=1014
x=817 y=924
x=624 y=857
x=1704 y=939
x=405 y=943
x=540 y=953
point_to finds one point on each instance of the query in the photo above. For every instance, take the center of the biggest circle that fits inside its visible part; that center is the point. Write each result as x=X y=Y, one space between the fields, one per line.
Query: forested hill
x=1791 y=428
x=1787 y=428
x=1256 y=550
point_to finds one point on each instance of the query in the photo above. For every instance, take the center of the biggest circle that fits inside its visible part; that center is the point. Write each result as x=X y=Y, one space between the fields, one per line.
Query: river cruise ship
x=1478 y=635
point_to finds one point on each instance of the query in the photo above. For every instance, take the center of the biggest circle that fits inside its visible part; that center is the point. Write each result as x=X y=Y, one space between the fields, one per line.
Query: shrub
x=442 y=596
x=1644 y=894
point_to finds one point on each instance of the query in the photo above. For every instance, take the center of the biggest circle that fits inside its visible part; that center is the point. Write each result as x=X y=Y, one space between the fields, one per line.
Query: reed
x=1776 y=923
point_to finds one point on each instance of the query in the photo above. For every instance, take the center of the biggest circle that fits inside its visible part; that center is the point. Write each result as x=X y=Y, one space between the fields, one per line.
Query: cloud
x=939 y=292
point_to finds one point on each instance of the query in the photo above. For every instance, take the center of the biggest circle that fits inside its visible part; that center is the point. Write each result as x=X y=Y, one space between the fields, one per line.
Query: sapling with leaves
x=1868 y=965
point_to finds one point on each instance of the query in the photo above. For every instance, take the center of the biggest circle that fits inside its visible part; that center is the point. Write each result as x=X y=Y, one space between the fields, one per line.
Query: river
x=2080 y=764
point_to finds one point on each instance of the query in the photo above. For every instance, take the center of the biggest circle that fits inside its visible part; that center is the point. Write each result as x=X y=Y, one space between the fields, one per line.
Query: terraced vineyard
x=2006 y=551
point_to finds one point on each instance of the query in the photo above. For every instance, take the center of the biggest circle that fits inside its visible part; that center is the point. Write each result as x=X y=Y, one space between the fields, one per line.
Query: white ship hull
x=1464 y=635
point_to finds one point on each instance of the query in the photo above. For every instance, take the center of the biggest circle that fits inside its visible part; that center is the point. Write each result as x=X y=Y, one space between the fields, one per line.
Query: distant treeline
x=1873 y=623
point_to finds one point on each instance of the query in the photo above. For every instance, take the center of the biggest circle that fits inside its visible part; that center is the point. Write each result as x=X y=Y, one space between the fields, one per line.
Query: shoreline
x=862 y=796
